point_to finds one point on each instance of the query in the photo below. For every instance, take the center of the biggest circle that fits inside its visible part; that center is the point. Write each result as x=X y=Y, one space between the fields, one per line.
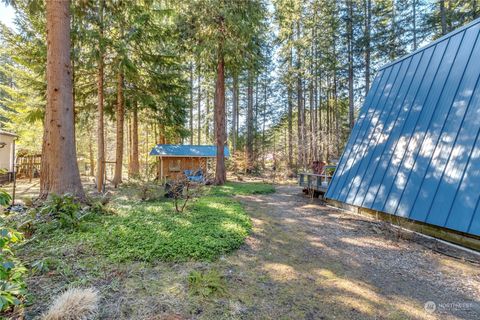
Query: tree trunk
x=290 y=127
x=414 y=22
x=90 y=155
x=234 y=113
x=350 y=63
x=135 y=163
x=312 y=113
x=191 y=103
x=72 y=59
x=328 y=122
x=250 y=128
x=290 y=116
x=443 y=17
x=220 y=136
x=199 y=107
x=207 y=117
x=255 y=118
x=304 y=125
x=59 y=172
x=368 y=21
x=146 y=131
x=300 y=124
x=300 y=109
x=337 y=113
x=263 y=122
x=237 y=126
x=313 y=94
x=320 y=135
x=120 y=117
x=128 y=146
x=100 y=111
x=157 y=138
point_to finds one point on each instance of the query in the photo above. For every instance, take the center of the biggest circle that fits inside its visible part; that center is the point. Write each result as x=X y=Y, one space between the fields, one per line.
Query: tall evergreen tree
x=59 y=173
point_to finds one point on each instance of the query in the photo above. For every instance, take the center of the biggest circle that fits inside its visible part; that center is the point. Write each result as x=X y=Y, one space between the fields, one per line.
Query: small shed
x=176 y=158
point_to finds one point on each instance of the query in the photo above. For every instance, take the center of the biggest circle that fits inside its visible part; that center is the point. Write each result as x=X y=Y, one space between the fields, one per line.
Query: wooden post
x=161 y=169
x=14 y=185
x=14 y=178
x=31 y=168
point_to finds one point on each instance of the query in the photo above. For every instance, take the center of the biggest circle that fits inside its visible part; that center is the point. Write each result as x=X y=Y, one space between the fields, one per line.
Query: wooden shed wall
x=179 y=164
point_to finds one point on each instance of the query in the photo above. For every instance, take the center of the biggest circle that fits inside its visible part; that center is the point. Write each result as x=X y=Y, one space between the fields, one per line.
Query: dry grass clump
x=74 y=304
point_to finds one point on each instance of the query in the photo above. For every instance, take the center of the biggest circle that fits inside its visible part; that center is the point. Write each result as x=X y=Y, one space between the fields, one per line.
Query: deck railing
x=316 y=182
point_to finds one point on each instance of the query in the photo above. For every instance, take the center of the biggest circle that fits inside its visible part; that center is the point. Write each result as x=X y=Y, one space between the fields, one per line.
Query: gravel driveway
x=316 y=262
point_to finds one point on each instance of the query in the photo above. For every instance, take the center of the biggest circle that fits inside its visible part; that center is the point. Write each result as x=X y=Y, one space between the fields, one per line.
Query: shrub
x=206 y=284
x=97 y=207
x=27 y=227
x=149 y=191
x=5 y=198
x=12 y=272
x=64 y=209
x=40 y=266
x=182 y=191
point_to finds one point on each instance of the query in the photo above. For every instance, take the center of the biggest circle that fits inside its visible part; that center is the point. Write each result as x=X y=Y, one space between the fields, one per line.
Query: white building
x=7 y=151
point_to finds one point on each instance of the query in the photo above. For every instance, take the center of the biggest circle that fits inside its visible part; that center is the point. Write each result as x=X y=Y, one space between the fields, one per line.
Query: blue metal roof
x=415 y=149
x=179 y=150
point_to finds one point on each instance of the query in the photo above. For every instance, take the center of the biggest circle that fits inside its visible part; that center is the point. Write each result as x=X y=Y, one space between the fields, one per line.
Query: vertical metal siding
x=415 y=149
x=391 y=160
x=357 y=132
x=381 y=128
x=370 y=126
x=377 y=125
x=383 y=149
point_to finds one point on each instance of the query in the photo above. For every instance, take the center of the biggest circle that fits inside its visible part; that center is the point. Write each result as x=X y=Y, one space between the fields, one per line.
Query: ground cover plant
x=12 y=271
x=242 y=188
x=138 y=230
x=141 y=231
x=148 y=231
x=206 y=284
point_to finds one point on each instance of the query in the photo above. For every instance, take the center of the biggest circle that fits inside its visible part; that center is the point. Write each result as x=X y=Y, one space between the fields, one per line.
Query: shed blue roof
x=179 y=150
x=415 y=149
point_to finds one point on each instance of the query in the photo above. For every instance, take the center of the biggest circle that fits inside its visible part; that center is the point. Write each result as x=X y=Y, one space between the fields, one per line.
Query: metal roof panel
x=415 y=150
x=179 y=150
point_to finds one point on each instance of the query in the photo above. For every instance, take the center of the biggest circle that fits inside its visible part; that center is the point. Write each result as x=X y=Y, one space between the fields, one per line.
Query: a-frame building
x=415 y=149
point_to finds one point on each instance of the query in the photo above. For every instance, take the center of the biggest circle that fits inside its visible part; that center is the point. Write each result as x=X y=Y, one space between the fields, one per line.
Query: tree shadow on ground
x=321 y=262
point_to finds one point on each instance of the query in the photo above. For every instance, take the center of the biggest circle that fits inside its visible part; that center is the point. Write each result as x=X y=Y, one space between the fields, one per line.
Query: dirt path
x=315 y=262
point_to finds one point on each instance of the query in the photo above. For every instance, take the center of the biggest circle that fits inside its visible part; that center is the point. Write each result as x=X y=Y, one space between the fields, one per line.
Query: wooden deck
x=315 y=184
